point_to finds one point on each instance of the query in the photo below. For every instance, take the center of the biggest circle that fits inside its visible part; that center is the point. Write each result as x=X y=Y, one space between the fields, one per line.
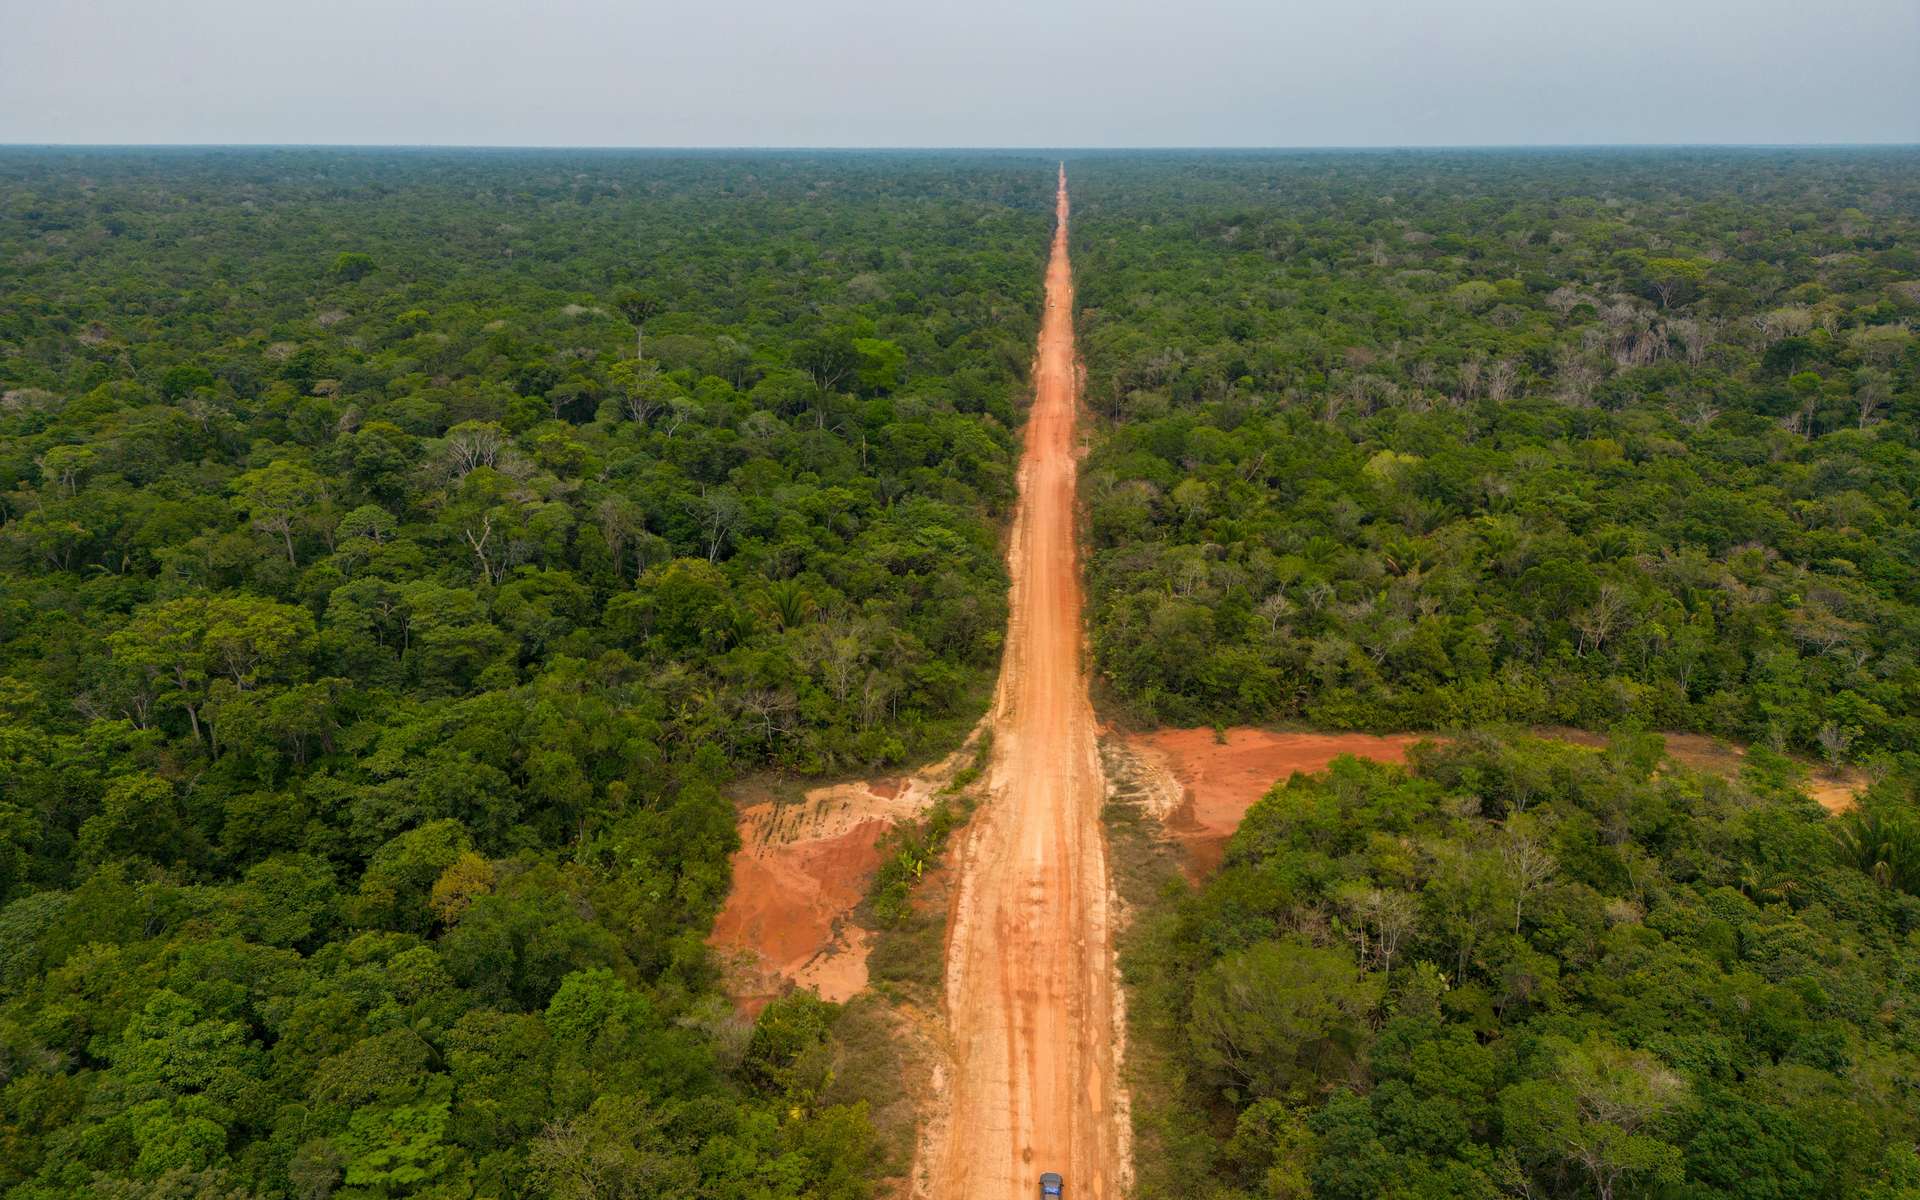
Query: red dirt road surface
x=1032 y=1007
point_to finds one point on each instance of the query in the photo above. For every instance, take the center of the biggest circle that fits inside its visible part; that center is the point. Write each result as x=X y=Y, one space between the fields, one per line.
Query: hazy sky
x=962 y=73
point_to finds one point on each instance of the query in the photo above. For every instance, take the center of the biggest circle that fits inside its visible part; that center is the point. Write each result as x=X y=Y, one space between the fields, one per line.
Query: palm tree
x=1884 y=845
x=788 y=603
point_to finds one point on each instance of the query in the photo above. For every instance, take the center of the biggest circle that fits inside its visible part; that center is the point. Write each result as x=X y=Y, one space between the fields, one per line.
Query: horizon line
x=957 y=149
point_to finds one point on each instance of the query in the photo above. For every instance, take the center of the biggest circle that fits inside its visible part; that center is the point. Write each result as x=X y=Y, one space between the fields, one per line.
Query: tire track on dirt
x=1033 y=1010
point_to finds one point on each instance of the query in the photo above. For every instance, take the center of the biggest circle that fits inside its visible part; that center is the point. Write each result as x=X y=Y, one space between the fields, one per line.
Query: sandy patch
x=1836 y=796
x=1837 y=792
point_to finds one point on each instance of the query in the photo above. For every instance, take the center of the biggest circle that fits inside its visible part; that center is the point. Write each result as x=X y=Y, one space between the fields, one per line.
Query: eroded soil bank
x=802 y=869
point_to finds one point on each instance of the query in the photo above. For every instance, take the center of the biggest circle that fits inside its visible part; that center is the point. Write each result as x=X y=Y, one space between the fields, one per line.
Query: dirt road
x=1032 y=1004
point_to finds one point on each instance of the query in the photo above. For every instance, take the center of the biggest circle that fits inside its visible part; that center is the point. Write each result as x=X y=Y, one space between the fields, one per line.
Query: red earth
x=1217 y=781
x=801 y=870
x=1034 y=1015
x=1220 y=780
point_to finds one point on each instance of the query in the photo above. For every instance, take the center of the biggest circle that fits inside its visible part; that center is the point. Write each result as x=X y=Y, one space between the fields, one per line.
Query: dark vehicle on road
x=1051 y=1184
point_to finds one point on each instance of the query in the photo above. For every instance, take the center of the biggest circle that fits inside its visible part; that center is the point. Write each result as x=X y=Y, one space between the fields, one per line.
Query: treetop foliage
x=377 y=633
x=1427 y=440
x=1458 y=441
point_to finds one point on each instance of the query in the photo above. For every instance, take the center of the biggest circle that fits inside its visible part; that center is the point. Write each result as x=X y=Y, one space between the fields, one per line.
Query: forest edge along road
x=1033 y=1010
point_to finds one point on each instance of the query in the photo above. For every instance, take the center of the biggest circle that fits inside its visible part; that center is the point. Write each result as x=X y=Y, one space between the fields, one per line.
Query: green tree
x=181 y=648
x=1281 y=1016
x=279 y=498
x=139 y=815
x=638 y=308
x=400 y=1150
x=881 y=365
x=352 y=266
x=1673 y=278
x=619 y=1149
x=1599 y=1108
x=396 y=890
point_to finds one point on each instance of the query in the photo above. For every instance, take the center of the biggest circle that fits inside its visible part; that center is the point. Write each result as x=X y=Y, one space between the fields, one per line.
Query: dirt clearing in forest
x=1200 y=785
x=802 y=869
x=1835 y=791
x=1217 y=780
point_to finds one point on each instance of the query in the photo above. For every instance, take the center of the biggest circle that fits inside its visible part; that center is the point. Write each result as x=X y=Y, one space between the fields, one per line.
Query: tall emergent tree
x=638 y=308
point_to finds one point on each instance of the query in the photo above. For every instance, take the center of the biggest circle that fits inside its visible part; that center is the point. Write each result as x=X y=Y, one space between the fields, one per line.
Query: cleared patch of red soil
x=1214 y=783
x=780 y=917
x=1219 y=781
x=802 y=868
x=1693 y=750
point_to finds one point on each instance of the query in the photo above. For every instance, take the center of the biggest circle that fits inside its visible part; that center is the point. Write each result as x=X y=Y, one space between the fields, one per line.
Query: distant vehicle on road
x=1051 y=1184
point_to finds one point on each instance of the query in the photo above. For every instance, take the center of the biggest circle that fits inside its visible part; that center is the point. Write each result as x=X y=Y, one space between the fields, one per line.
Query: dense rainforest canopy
x=1428 y=440
x=1626 y=440
x=399 y=551
x=1524 y=969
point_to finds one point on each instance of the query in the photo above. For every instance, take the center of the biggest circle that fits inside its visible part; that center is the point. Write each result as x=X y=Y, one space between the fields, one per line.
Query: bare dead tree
x=471 y=445
x=1528 y=866
x=1702 y=414
x=479 y=545
x=1872 y=393
x=204 y=410
x=680 y=413
x=1781 y=323
x=1501 y=378
x=1575 y=375
x=1834 y=741
x=1696 y=337
x=1634 y=338
x=1564 y=299
x=1395 y=918
x=1359 y=395
x=1470 y=373
x=718 y=511
x=769 y=711
x=1275 y=610
x=643 y=399
x=1331 y=403
x=1601 y=619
